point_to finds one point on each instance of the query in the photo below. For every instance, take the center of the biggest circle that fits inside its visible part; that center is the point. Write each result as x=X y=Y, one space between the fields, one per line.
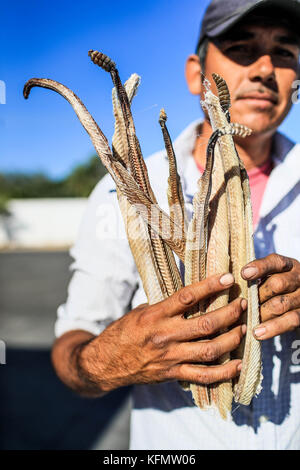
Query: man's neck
x=254 y=151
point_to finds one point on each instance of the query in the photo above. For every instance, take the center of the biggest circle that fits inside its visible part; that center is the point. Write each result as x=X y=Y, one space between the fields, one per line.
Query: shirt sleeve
x=105 y=277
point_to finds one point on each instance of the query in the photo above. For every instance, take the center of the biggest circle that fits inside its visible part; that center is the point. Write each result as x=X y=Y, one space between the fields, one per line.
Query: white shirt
x=106 y=284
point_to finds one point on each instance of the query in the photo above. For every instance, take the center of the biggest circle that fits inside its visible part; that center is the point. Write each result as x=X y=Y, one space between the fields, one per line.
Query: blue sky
x=51 y=40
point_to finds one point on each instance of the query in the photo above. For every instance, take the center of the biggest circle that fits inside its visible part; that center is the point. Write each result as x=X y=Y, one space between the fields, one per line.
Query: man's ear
x=193 y=74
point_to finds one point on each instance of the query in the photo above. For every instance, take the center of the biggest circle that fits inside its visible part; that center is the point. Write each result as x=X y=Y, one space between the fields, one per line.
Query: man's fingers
x=279 y=305
x=210 y=323
x=188 y=296
x=208 y=351
x=271 y=264
x=278 y=284
x=206 y=374
x=287 y=322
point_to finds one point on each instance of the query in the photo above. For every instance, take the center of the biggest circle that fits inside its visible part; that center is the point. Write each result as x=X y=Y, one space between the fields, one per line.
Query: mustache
x=264 y=92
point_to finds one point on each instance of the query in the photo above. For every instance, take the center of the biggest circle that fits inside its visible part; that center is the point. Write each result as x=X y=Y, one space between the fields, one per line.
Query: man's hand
x=155 y=343
x=279 y=294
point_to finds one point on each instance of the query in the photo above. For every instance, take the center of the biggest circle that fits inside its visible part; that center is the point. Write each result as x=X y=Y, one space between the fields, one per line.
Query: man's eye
x=284 y=53
x=238 y=48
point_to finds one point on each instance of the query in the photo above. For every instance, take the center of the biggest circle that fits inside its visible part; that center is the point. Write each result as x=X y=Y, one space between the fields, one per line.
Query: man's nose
x=262 y=70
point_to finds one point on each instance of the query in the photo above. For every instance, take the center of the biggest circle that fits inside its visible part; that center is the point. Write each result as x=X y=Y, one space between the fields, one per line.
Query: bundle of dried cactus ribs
x=217 y=239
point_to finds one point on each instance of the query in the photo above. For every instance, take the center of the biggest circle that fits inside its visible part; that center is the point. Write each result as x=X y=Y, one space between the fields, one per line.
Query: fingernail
x=227 y=279
x=239 y=367
x=260 y=331
x=244 y=304
x=244 y=329
x=250 y=272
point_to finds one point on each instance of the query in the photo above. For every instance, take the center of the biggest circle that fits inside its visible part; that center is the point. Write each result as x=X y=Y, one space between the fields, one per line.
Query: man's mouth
x=263 y=100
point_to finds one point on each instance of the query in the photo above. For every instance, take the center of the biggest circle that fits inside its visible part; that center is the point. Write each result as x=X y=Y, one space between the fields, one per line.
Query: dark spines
x=102 y=60
x=27 y=87
x=240 y=130
x=223 y=92
x=234 y=129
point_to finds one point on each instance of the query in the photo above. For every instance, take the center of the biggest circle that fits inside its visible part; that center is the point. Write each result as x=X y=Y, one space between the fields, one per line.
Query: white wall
x=41 y=223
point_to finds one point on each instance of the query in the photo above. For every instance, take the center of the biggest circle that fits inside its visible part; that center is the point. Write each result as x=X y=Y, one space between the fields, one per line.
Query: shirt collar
x=281 y=146
x=185 y=143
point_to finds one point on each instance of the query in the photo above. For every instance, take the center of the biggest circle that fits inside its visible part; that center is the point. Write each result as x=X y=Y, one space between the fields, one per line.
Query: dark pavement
x=36 y=410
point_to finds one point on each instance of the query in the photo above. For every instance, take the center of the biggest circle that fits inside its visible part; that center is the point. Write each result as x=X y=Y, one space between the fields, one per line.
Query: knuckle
x=227 y=374
x=205 y=377
x=158 y=340
x=206 y=325
x=277 y=284
x=279 y=304
x=235 y=310
x=210 y=352
x=177 y=372
x=144 y=315
x=295 y=318
x=272 y=258
x=164 y=307
x=210 y=284
x=277 y=258
x=141 y=307
x=284 y=262
x=186 y=296
x=237 y=337
x=170 y=373
x=297 y=266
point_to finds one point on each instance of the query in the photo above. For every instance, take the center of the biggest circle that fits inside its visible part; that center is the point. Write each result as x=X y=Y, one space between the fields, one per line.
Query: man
x=255 y=47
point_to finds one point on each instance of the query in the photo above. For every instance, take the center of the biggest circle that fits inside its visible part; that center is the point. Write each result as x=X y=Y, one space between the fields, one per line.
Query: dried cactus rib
x=160 y=222
x=138 y=232
x=163 y=257
x=223 y=93
x=136 y=162
x=197 y=261
x=119 y=141
x=241 y=246
x=102 y=60
x=175 y=194
x=249 y=383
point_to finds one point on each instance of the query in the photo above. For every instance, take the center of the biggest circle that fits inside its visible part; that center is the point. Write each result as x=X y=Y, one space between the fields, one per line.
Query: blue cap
x=221 y=15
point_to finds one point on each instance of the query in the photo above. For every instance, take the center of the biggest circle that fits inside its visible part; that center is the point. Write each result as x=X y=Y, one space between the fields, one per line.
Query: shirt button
x=263 y=419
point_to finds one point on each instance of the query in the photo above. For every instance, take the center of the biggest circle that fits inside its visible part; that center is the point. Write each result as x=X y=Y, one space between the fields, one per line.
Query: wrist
x=88 y=365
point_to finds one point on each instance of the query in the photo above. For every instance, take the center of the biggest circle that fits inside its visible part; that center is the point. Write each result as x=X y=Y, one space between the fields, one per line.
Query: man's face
x=259 y=64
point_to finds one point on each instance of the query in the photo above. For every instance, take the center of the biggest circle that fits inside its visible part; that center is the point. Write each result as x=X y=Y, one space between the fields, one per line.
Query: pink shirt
x=258 y=178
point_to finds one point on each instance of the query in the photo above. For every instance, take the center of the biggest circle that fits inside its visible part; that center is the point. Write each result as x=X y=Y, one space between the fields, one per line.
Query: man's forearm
x=66 y=359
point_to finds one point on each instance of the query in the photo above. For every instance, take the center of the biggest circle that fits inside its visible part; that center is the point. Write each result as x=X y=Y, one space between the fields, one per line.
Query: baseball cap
x=221 y=15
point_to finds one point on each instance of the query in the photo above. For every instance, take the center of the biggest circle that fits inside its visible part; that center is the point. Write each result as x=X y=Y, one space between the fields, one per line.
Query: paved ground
x=36 y=410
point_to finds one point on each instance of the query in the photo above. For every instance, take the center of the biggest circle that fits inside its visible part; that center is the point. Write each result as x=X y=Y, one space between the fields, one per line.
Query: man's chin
x=259 y=123
x=261 y=118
